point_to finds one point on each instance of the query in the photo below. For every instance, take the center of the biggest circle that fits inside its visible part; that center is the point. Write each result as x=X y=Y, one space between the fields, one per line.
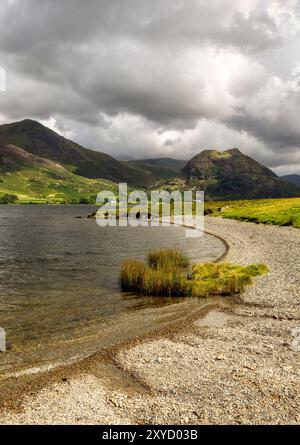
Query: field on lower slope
x=282 y=212
x=49 y=186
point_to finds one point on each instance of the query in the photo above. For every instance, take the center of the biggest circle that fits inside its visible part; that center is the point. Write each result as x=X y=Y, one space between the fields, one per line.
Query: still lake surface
x=59 y=284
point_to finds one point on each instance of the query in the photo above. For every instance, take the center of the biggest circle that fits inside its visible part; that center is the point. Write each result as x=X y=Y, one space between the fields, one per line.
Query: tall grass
x=165 y=274
x=132 y=275
x=167 y=259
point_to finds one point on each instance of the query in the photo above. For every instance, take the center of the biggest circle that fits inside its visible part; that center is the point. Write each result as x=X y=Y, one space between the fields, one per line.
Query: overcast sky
x=153 y=78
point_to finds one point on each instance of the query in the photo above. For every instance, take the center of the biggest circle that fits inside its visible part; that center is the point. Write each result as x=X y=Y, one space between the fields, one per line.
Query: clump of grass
x=165 y=274
x=140 y=278
x=223 y=279
x=167 y=259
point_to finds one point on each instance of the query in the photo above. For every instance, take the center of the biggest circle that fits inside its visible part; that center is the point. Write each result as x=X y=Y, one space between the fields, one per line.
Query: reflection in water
x=59 y=289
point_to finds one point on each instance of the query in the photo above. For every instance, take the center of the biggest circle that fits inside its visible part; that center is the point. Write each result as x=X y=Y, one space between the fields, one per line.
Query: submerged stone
x=2 y=340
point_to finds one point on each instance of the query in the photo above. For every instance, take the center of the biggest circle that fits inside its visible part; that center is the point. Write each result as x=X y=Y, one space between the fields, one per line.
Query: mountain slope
x=14 y=158
x=35 y=179
x=293 y=179
x=41 y=141
x=231 y=175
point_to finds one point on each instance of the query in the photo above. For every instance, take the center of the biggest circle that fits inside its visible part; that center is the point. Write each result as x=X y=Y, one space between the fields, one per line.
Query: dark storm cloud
x=165 y=76
x=175 y=22
x=277 y=134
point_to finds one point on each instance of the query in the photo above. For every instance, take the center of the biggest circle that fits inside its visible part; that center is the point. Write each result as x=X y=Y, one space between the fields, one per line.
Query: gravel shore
x=235 y=365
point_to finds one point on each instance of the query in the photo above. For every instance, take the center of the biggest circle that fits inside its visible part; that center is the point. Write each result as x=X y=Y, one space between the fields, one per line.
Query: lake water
x=59 y=291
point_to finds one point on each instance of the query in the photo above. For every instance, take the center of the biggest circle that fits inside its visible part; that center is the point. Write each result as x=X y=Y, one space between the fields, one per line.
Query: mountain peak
x=215 y=153
x=30 y=123
x=234 y=151
x=233 y=175
x=28 y=126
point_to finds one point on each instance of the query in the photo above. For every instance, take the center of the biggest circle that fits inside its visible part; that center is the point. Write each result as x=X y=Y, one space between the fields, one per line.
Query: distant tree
x=83 y=201
x=8 y=199
x=88 y=200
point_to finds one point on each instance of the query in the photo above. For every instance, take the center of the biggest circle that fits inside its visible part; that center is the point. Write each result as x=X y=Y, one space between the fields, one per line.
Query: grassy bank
x=48 y=186
x=166 y=274
x=281 y=212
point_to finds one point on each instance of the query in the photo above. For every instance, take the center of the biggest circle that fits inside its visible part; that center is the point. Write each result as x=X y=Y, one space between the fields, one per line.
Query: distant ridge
x=175 y=164
x=159 y=168
x=293 y=179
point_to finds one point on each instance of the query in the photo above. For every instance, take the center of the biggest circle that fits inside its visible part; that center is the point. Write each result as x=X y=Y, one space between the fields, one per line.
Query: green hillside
x=35 y=179
x=49 y=186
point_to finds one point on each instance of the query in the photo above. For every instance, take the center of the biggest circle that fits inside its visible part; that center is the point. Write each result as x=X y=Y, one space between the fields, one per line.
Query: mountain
x=158 y=169
x=231 y=175
x=35 y=179
x=293 y=179
x=36 y=161
x=39 y=140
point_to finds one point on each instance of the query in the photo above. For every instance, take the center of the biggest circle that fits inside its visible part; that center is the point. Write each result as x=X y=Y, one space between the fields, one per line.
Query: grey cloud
x=168 y=22
x=274 y=133
x=133 y=76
